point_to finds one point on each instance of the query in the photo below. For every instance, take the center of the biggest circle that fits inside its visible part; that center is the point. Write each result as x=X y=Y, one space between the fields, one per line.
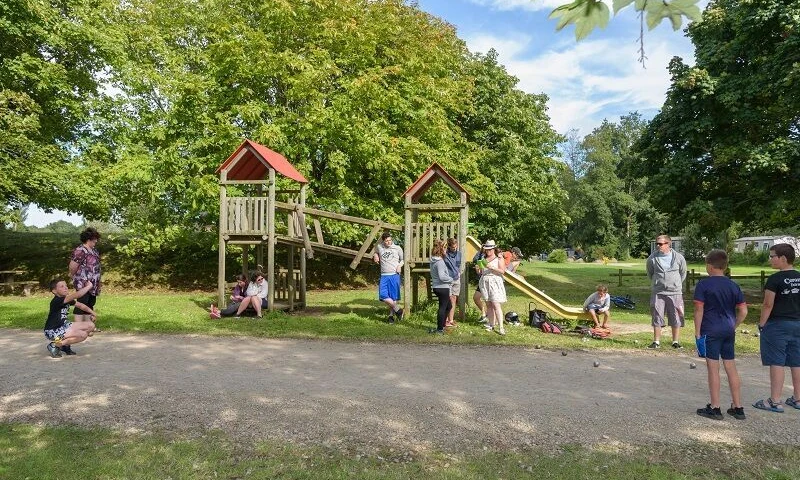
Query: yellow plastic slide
x=542 y=301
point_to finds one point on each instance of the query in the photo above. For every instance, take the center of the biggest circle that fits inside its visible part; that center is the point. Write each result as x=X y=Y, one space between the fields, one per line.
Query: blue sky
x=587 y=81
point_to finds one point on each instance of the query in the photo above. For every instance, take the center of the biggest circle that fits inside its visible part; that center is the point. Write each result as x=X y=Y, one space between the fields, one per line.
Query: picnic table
x=9 y=279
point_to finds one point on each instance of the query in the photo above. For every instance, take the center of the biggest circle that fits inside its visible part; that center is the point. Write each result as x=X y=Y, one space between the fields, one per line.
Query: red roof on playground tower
x=252 y=161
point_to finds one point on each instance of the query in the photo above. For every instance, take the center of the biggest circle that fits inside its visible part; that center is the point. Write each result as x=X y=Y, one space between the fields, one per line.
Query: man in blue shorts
x=780 y=327
x=719 y=308
x=390 y=258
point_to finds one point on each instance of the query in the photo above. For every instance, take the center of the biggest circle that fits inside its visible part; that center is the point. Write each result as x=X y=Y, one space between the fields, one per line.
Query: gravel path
x=411 y=397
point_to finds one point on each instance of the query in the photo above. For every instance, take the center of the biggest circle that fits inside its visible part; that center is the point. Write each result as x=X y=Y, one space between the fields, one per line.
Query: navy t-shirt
x=719 y=296
x=786 y=285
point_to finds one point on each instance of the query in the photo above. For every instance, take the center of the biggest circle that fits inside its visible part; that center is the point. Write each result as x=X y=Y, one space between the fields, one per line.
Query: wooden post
x=246 y=260
x=407 y=253
x=290 y=258
x=223 y=225
x=271 y=242
x=462 y=247
x=303 y=253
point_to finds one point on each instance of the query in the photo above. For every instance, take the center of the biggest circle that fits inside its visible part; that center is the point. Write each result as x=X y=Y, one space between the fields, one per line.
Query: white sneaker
x=488 y=328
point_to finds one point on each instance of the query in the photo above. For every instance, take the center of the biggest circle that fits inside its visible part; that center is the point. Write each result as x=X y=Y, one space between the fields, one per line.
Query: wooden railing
x=246 y=216
x=423 y=235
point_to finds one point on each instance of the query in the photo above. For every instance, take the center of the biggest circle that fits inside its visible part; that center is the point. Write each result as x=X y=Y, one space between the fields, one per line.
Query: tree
x=726 y=145
x=607 y=205
x=573 y=154
x=48 y=62
x=521 y=199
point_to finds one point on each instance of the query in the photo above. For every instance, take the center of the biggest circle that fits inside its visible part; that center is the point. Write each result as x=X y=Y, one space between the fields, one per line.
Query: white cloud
x=590 y=80
x=530 y=5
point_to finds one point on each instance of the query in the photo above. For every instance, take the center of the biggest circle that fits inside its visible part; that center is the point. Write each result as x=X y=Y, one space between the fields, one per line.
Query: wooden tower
x=419 y=236
x=250 y=220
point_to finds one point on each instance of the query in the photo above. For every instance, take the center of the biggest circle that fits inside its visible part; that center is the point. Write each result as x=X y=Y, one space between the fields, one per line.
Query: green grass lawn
x=64 y=453
x=357 y=315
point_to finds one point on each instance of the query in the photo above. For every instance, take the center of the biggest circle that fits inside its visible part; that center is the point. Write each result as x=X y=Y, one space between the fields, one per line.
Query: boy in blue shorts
x=61 y=332
x=719 y=308
x=390 y=258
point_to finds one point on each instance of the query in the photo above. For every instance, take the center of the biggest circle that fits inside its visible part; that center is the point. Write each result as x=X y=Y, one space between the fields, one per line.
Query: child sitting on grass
x=598 y=303
x=719 y=308
x=61 y=332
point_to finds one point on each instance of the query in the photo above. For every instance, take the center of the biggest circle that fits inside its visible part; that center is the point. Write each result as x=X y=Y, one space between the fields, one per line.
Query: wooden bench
x=27 y=286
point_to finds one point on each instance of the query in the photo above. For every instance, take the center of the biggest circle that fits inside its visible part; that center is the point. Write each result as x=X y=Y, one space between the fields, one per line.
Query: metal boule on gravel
x=563 y=353
x=692 y=365
x=596 y=363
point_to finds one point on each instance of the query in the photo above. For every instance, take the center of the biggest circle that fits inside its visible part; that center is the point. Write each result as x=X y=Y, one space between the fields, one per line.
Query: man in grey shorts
x=666 y=270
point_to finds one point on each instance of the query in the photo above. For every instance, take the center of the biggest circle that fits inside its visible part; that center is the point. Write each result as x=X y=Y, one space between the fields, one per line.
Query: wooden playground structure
x=269 y=216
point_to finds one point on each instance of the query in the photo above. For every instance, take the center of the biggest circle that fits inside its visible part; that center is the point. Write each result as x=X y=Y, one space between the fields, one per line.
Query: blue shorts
x=780 y=343
x=720 y=345
x=389 y=287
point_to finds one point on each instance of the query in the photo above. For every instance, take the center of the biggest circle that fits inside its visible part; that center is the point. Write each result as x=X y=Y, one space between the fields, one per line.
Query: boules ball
x=563 y=353
x=636 y=341
x=692 y=365
x=596 y=363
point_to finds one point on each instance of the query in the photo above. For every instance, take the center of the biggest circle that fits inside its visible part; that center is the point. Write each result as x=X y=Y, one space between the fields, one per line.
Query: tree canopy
x=726 y=145
x=361 y=96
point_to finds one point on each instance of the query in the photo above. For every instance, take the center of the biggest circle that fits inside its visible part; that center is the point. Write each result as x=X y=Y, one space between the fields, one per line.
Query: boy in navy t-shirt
x=719 y=308
x=61 y=332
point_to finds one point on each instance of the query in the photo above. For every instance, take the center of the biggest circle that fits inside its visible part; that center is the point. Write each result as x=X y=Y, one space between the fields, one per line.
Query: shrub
x=557 y=256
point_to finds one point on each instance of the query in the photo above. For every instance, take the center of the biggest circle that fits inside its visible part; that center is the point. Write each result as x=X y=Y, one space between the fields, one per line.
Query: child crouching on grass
x=61 y=332
x=719 y=308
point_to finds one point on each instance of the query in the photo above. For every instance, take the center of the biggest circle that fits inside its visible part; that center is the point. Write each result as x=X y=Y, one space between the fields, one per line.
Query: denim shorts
x=780 y=343
x=720 y=345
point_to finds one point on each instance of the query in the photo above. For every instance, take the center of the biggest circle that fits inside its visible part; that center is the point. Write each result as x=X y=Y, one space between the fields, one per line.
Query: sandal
x=769 y=406
x=792 y=402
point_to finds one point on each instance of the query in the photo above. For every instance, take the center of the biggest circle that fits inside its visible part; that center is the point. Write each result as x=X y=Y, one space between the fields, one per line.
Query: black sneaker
x=712 y=413
x=654 y=345
x=399 y=314
x=55 y=352
x=390 y=319
x=677 y=345
x=737 y=412
x=434 y=331
x=67 y=349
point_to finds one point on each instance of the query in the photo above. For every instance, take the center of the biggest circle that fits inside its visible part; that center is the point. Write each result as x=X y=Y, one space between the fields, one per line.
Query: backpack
x=597 y=333
x=536 y=316
x=550 y=327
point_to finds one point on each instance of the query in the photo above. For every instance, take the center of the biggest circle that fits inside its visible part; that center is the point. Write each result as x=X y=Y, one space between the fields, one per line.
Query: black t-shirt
x=58 y=313
x=786 y=285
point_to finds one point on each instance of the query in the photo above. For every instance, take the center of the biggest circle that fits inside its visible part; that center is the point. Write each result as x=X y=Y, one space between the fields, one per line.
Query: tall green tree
x=359 y=95
x=726 y=145
x=609 y=212
x=49 y=60
x=519 y=200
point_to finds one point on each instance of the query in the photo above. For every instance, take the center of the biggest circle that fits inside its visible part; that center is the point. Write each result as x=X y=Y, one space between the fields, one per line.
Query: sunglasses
x=659 y=244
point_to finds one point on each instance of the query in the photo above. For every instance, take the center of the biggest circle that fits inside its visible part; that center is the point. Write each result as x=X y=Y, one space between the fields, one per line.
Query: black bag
x=535 y=316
